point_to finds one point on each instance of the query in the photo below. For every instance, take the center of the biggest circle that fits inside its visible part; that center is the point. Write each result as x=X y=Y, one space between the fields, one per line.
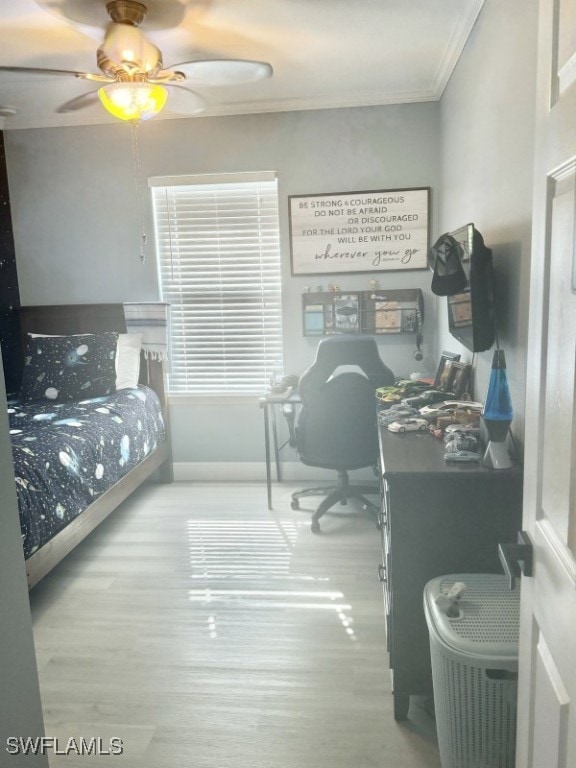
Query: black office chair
x=337 y=424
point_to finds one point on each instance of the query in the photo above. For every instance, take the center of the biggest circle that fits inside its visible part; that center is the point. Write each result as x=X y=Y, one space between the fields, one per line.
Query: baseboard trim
x=254 y=471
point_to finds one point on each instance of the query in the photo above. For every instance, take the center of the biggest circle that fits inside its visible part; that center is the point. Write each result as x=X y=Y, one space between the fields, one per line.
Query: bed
x=76 y=460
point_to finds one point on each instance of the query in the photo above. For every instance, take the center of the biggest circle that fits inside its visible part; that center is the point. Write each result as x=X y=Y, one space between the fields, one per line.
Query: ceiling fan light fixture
x=127 y=47
x=133 y=101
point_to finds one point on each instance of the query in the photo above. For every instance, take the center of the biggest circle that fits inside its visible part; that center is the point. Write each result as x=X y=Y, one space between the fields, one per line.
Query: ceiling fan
x=132 y=79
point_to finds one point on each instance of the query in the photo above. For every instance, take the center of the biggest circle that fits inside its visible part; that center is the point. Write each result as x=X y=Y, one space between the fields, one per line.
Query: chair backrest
x=337 y=427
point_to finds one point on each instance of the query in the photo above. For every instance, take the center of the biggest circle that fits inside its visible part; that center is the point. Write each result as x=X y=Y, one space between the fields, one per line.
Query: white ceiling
x=325 y=53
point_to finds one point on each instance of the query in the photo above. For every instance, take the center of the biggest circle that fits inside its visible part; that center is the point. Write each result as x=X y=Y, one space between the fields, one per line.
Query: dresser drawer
x=384 y=578
x=427 y=531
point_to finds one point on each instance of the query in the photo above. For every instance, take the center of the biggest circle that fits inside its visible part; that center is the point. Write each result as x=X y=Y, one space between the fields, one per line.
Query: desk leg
x=276 y=448
x=267 y=448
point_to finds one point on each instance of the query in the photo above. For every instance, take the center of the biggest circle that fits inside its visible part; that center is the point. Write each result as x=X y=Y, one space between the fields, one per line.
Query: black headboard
x=72 y=318
x=64 y=319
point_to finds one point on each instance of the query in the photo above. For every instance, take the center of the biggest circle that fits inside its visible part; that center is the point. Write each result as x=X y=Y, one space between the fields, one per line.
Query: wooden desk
x=436 y=519
x=269 y=404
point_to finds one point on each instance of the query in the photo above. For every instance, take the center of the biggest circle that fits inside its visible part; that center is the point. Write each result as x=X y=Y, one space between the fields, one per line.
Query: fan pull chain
x=138 y=182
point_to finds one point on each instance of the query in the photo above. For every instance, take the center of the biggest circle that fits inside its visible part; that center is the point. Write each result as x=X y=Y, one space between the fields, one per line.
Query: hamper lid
x=489 y=615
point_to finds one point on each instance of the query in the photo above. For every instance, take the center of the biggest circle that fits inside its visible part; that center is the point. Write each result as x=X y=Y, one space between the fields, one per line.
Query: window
x=218 y=248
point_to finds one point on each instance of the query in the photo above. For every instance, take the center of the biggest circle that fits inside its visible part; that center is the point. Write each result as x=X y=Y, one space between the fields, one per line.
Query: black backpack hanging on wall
x=463 y=272
x=445 y=259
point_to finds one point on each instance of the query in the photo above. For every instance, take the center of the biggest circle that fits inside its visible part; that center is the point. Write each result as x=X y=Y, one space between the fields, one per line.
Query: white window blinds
x=219 y=260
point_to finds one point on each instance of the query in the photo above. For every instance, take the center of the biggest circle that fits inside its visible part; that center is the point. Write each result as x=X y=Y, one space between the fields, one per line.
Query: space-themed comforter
x=68 y=454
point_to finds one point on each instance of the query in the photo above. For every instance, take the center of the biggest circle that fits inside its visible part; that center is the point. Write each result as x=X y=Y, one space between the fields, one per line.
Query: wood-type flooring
x=204 y=631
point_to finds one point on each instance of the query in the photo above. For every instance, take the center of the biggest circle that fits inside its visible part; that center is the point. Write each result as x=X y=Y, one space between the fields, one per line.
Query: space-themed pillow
x=63 y=368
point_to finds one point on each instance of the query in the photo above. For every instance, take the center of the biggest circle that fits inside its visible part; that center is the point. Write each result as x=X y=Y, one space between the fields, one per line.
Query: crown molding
x=226 y=110
x=455 y=46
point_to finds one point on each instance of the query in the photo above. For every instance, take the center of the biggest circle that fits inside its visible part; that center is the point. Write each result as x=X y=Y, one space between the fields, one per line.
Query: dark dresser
x=436 y=519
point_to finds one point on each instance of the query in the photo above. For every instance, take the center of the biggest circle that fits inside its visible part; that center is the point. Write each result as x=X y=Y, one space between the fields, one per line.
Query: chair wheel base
x=315 y=527
x=295 y=504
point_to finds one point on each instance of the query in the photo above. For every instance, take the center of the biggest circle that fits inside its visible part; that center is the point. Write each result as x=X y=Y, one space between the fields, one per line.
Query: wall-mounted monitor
x=471 y=313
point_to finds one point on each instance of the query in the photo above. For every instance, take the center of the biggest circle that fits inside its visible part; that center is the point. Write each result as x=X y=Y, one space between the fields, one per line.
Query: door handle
x=517 y=558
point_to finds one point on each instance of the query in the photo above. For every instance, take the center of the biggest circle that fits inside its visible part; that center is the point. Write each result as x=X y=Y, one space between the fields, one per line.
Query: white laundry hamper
x=475 y=670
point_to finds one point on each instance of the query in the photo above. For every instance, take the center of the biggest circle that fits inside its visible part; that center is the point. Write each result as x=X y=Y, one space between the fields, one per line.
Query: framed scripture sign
x=377 y=231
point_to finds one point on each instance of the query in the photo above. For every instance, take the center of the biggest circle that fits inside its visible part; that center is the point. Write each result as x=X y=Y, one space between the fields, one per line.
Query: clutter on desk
x=462 y=443
x=427 y=397
x=466 y=457
x=447 y=412
x=393 y=394
x=395 y=412
x=283 y=384
x=291 y=380
x=456 y=427
x=455 y=421
x=452 y=375
x=419 y=376
x=276 y=376
x=459 y=420
x=450 y=406
x=408 y=425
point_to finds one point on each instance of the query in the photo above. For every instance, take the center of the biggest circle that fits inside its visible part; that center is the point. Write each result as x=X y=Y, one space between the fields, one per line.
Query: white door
x=547 y=684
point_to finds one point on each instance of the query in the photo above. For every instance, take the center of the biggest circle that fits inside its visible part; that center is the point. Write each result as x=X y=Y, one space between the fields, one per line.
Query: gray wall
x=77 y=233
x=487 y=134
x=20 y=710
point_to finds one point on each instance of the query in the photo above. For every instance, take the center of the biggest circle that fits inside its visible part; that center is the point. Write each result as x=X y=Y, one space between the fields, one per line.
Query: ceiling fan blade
x=42 y=71
x=80 y=102
x=224 y=71
x=68 y=72
x=185 y=101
